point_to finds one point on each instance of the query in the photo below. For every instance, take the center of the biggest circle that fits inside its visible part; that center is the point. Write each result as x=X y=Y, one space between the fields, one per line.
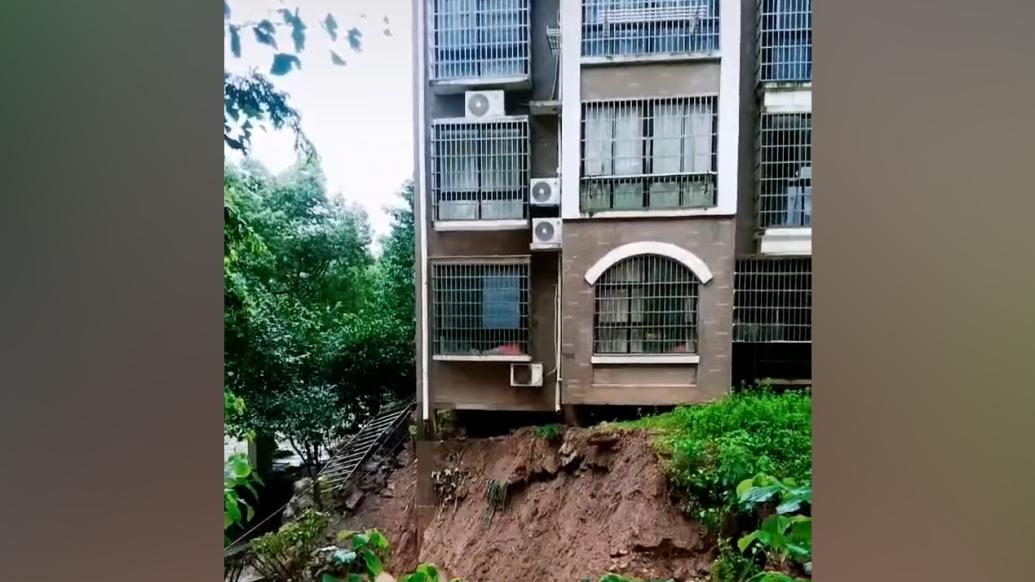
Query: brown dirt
x=575 y=510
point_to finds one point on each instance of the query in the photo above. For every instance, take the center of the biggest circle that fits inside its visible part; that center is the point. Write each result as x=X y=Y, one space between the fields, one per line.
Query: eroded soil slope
x=575 y=509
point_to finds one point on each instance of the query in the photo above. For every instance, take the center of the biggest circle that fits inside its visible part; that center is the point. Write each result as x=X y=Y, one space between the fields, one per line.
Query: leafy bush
x=713 y=447
x=731 y=565
x=364 y=561
x=237 y=474
x=550 y=432
x=286 y=553
x=786 y=534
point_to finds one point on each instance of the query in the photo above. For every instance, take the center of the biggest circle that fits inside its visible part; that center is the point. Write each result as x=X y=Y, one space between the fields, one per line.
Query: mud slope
x=575 y=510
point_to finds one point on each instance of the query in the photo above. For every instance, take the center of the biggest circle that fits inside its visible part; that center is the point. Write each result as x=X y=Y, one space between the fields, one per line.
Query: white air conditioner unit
x=526 y=374
x=545 y=192
x=546 y=233
x=483 y=104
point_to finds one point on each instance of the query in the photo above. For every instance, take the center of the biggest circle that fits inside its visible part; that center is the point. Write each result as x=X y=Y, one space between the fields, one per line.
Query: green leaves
x=331 y=26
x=355 y=37
x=265 y=33
x=423 y=573
x=297 y=28
x=337 y=60
x=284 y=63
x=235 y=40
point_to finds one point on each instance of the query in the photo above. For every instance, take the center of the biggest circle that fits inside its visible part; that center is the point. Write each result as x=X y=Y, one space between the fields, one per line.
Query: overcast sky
x=359 y=116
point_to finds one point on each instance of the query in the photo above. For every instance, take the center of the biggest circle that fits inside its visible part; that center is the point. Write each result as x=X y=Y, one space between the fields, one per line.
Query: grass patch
x=552 y=433
x=710 y=448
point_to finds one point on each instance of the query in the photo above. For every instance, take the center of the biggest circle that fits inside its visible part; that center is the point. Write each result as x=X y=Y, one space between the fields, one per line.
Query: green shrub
x=713 y=447
x=550 y=432
x=785 y=534
x=731 y=565
x=286 y=553
x=363 y=561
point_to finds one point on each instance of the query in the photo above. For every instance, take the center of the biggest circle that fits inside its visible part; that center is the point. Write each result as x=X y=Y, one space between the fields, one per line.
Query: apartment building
x=613 y=200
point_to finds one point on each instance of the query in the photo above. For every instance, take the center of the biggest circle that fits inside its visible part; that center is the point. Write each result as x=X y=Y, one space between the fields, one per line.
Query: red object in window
x=507 y=350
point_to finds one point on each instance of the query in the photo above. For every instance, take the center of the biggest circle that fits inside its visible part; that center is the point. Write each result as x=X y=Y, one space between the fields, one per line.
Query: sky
x=359 y=116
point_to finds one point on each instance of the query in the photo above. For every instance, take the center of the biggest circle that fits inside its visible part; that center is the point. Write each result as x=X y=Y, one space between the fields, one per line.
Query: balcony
x=785 y=171
x=772 y=300
x=785 y=41
x=478 y=42
x=618 y=30
x=479 y=174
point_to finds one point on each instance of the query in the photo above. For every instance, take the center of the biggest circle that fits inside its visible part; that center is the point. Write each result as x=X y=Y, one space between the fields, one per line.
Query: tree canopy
x=317 y=332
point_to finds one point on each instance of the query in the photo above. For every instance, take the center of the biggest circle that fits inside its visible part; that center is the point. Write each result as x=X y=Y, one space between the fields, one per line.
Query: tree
x=251 y=100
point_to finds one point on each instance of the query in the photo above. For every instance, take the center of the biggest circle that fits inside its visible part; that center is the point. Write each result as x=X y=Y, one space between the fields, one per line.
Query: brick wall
x=586 y=241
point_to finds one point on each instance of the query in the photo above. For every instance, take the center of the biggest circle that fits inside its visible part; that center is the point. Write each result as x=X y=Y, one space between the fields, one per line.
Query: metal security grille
x=785 y=41
x=478 y=39
x=649 y=27
x=649 y=154
x=785 y=170
x=479 y=169
x=645 y=304
x=772 y=299
x=480 y=308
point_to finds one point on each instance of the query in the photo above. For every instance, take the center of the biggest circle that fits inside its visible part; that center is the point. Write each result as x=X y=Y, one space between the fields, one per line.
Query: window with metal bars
x=646 y=304
x=480 y=308
x=772 y=299
x=479 y=169
x=649 y=154
x=478 y=39
x=634 y=28
x=785 y=41
x=785 y=170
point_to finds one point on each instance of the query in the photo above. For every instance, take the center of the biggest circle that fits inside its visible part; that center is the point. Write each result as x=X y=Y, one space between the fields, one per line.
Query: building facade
x=614 y=200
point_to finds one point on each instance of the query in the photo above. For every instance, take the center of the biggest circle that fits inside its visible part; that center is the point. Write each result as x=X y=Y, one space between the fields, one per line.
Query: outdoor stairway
x=347 y=460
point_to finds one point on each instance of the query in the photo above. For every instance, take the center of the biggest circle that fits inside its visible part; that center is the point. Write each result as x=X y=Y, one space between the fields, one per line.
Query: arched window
x=645 y=304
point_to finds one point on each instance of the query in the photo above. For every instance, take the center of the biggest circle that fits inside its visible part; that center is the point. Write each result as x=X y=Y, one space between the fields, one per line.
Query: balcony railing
x=785 y=170
x=479 y=170
x=478 y=40
x=639 y=28
x=785 y=41
x=640 y=154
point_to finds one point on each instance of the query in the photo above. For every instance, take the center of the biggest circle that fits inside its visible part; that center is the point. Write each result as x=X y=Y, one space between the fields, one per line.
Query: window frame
x=647 y=268
x=687 y=181
x=482 y=343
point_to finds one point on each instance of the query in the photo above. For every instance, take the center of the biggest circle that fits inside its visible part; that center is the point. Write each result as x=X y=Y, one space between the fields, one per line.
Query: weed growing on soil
x=552 y=433
x=496 y=498
x=450 y=485
x=713 y=447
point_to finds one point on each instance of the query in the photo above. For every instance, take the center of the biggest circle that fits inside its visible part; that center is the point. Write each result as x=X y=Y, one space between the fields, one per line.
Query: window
x=785 y=170
x=648 y=154
x=646 y=304
x=479 y=170
x=479 y=39
x=772 y=299
x=480 y=309
x=785 y=41
x=649 y=27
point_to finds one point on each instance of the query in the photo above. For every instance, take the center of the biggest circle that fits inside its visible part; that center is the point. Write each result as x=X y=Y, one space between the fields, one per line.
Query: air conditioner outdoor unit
x=545 y=192
x=526 y=374
x=546 y=233
x=483 y=104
